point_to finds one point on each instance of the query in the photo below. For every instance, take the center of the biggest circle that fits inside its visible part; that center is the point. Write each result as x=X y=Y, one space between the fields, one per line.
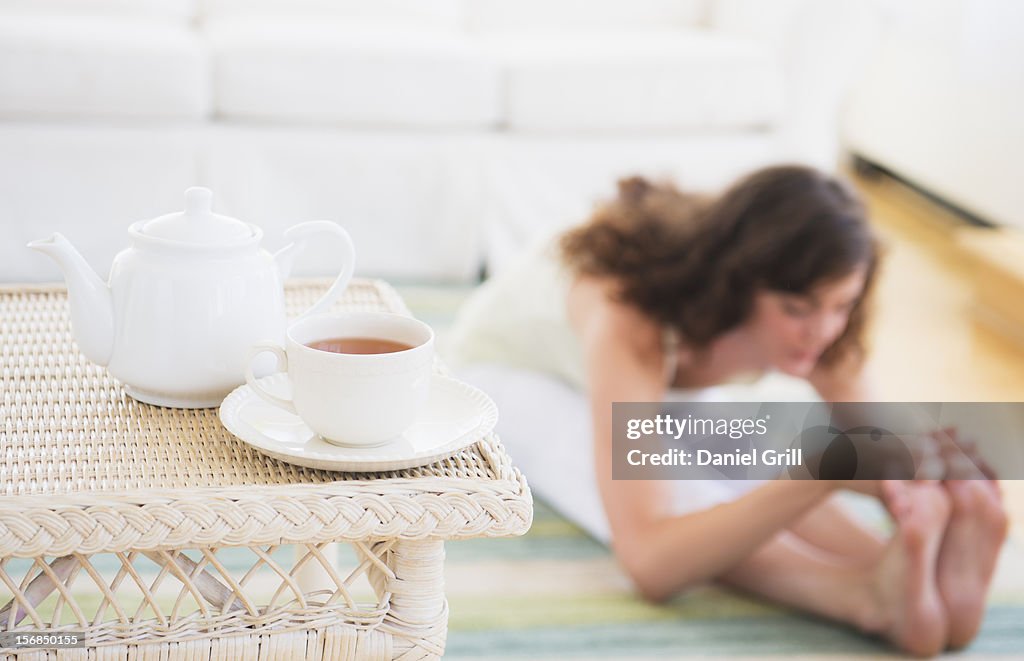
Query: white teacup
x=353 y=399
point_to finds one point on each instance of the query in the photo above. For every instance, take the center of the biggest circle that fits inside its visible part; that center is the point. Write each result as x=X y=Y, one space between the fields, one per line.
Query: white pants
x=545 y=425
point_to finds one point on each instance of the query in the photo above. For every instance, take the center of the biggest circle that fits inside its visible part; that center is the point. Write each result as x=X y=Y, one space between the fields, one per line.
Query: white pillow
x=179 y=10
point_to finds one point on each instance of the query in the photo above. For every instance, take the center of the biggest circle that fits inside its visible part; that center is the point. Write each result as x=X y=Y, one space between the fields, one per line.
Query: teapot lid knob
x=198 y=202
x=198 y=224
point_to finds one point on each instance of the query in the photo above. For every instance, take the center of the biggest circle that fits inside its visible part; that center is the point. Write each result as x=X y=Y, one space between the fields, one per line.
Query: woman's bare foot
x=967 y=558
x=909 y=610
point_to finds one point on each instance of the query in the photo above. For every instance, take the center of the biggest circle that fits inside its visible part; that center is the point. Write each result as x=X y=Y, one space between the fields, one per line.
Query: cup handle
x=300 y=235
x=282 y=366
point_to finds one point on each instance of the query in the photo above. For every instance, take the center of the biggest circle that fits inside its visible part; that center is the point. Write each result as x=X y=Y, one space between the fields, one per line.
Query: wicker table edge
x=447 y=508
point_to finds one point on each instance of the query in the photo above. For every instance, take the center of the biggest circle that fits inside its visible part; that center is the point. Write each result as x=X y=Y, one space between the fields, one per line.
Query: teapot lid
x=197 y=224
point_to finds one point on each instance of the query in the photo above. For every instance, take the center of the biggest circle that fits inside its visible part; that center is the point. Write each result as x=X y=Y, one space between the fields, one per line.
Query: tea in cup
x=357 y=378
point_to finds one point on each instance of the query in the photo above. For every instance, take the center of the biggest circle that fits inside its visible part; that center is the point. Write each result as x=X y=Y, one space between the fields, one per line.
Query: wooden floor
x=927 y=344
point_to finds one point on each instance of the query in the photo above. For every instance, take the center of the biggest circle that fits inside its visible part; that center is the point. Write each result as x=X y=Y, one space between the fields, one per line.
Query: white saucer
x=456 y=415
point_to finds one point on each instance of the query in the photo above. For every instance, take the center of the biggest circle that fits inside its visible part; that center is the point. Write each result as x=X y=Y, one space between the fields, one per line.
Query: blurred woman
x=668 y=295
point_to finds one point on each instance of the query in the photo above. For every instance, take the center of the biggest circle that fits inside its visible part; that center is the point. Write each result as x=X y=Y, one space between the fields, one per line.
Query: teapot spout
x=92 y=307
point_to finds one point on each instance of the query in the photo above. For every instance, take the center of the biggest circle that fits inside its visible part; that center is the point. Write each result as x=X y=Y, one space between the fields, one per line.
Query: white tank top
x=520 y=318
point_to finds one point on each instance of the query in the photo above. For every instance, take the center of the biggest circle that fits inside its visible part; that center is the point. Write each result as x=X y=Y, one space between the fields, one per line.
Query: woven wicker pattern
x=68 y=426
x=86 y=470
x=190 y=603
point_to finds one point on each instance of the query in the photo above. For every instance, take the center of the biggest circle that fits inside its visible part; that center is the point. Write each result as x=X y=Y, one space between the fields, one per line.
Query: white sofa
x=444 y=134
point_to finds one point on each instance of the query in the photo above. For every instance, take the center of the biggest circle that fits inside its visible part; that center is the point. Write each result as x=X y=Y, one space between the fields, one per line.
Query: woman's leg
x=790 y=571
x=896 y=597
x=832 y=528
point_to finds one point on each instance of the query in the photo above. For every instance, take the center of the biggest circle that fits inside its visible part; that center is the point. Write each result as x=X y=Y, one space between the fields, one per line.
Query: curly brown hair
x=695 y=262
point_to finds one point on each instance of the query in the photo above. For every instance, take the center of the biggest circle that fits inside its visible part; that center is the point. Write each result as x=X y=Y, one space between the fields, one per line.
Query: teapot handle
x=300 y=235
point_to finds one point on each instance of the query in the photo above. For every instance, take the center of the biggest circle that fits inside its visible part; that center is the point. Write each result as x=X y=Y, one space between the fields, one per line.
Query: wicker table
x=129 y=522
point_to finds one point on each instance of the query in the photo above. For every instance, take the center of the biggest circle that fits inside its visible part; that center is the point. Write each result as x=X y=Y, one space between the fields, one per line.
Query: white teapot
x=186 y=301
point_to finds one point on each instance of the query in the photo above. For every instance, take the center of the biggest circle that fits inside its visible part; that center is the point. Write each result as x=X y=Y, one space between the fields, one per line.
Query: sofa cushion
x=768 y=20
x=179 y=10
x=411 y=200
x=487 y=15
x=88 y=181
x=426 y=13
x=100 y=67
x=335 y=72
x=649 y=81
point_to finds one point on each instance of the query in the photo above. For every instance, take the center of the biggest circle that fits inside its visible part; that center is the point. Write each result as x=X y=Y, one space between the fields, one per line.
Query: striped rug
x=557 y=594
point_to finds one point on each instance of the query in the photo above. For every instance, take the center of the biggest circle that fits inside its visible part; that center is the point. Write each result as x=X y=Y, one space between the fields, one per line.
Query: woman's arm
x=665 y=553
x=848 y=382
